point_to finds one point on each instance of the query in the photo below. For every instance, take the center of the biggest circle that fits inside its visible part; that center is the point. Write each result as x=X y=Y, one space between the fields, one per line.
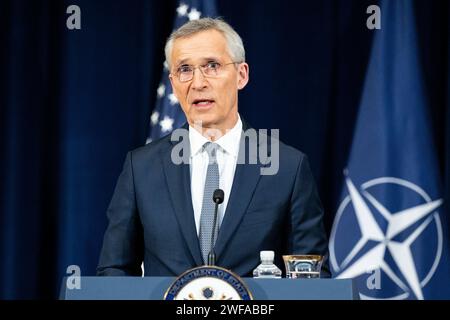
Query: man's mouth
x=202 y=103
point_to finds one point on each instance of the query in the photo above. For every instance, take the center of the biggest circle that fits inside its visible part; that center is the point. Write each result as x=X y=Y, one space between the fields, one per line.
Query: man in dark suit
x=162 y=210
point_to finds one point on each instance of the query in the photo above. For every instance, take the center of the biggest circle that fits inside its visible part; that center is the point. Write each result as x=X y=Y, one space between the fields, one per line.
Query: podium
x=153 y=288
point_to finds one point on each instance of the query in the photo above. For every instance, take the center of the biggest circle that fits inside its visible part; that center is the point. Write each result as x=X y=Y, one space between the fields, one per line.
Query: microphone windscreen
x=218 y=196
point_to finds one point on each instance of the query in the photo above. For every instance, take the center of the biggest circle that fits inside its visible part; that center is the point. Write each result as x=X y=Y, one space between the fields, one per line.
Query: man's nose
x=198 y=79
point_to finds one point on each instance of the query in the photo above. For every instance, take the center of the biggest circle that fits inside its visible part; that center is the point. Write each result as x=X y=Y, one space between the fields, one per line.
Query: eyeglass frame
x=201 y=70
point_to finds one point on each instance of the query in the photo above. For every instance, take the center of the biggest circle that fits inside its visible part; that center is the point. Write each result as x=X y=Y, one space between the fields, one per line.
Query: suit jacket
x=151 y=218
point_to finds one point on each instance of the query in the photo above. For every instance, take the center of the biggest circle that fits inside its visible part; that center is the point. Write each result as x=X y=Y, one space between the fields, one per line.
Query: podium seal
x=208 y=283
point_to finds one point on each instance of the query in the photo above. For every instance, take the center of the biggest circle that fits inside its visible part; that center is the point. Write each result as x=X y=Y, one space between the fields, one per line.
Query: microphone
x=218 y=199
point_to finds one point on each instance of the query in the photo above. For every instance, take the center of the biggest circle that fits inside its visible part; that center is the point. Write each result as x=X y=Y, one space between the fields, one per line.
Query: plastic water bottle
x=267 y=269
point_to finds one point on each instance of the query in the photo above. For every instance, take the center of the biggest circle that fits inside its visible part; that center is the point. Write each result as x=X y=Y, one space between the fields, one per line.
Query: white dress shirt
x=226 y=154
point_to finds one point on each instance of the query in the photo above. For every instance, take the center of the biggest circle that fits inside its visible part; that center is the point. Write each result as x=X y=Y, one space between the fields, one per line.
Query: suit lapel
x=178 y=182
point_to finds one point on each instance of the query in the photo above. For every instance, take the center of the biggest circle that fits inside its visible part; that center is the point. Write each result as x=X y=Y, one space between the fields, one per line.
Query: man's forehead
x=209 y=44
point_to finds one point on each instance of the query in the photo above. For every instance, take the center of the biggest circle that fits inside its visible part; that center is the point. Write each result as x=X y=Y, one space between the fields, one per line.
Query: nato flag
x=390 y=231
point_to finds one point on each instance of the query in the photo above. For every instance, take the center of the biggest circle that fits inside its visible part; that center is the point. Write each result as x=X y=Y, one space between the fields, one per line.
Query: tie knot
x=211 y=149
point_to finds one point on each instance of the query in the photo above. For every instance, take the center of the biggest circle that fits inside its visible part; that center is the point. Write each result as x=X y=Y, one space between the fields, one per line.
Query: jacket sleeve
x=308 y=234
x=122 y=251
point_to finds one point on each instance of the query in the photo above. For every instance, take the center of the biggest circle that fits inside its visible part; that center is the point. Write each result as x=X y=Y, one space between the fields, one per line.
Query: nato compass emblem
x=208 y=283
x=398 y=239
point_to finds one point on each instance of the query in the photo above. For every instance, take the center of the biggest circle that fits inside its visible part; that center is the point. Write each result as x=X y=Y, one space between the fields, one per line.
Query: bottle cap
x=267 y=255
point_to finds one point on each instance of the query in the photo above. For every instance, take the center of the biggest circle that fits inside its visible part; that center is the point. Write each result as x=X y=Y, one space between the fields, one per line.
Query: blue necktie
x=207 y=214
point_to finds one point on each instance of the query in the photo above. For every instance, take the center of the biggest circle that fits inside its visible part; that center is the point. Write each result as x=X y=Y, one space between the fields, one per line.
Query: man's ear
x=243 y=75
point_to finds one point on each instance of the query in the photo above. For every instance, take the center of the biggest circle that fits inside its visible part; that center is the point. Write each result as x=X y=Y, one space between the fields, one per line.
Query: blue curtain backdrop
x=73 y=102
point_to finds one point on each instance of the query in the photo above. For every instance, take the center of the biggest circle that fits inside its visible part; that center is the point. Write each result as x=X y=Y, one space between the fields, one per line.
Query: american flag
x=167 y=114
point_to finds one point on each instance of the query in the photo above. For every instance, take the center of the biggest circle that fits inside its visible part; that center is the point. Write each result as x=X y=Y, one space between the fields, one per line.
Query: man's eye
x=184 y=69
x=213 y=65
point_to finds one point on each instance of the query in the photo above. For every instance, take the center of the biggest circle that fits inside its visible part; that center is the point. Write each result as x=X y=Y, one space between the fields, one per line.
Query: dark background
x=72 y=103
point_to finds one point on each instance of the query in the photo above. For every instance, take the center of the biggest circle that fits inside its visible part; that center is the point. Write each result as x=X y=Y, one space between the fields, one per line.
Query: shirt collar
x=229 y=142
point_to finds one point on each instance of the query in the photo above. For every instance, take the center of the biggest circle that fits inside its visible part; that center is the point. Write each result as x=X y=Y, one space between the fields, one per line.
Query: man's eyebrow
x=181 y=62
x=210 y=59
x=204 y=60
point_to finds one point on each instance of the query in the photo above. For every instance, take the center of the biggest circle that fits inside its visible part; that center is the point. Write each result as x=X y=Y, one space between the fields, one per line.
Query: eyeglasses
x=211 y=69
